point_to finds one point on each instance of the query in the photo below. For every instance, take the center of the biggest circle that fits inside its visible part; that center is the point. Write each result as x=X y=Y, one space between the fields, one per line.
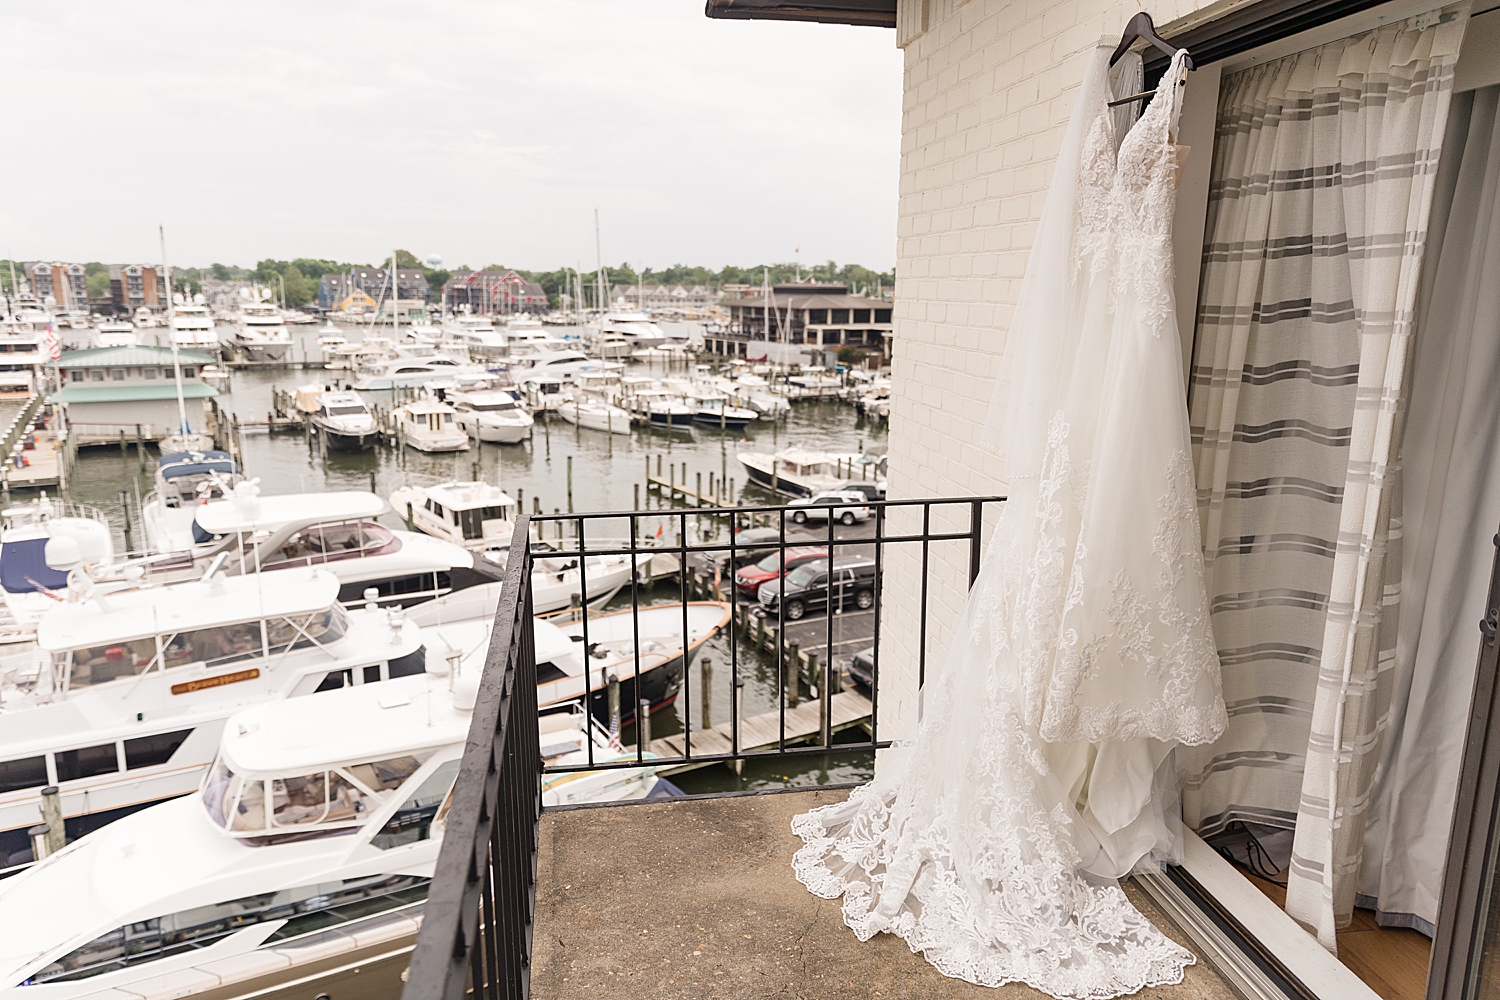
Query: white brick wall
x=989 y=85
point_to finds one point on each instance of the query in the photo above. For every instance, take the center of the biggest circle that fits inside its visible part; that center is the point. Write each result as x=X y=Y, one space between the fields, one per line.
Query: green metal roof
x=132 y=393
x=106 y=357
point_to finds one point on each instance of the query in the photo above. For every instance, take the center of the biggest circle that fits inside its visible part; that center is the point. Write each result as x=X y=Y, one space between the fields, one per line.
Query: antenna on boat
x=182 y=424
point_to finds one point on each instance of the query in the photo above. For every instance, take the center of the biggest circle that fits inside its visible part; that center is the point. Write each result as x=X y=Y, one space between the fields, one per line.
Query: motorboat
x=124 y=698
x=814 y=383
x=216 y=375
x=663 y=408
x=262 y=333
x=799 y=472
x=29 y=587
x=145 y=319
x=575 y=659
x=713 y=410
x=406 y=372
x=426 y=424
x=115 y=333
x=344 y=421
x=185 y=481
x=613 y=346
x=191 y=322
x=754 y=393
x=490 y=414
x=595 y=413
x=637 y=328
x=523 y=340
x=543 y=392
x=475 y=515
x=477 y=333
x=317 y=829
x=184 y=440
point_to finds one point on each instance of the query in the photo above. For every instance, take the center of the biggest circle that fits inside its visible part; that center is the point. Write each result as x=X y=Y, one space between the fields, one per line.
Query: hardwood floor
x=1392 y=961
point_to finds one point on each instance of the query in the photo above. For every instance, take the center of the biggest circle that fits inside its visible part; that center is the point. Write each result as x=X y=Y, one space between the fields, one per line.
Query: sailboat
x=185 y=439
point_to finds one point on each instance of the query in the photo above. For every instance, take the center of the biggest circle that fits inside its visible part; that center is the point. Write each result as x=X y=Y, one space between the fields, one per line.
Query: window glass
x=148 y=373
x=300 y=801
x=335 y=680
x=189 y=371
x=102 y=664
x=249 y=812
x=804 y=574
x=472 y=520
x=151 y=751
x=413 y=820
x=96 y=375
x=118 y=374
x=28 y=772
x=411 y=663
x=770 y=563
x=214 y=646
x=328 y=625
x=86 y=762
x=216 y=791
x=76 y=375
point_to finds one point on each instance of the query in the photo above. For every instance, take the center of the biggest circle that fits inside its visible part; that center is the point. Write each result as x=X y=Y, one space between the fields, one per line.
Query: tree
x=97 y=283
x=299 y=290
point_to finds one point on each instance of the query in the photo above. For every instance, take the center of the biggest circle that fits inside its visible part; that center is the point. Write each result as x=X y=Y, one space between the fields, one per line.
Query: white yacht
x=262 y=333
x=637 y=328
x=475 y=515
x=477 y=333
x=596 y=413
x=345 y=421
x=491 y=414
x=426 y=424
x=612 y=345
x=28 y=585
x=799 y=472
x=317 y=829
x=713 y=409
x=122 y=702
x=192 y=324
x=115 y=333
x=386 y=372
x=184 y=482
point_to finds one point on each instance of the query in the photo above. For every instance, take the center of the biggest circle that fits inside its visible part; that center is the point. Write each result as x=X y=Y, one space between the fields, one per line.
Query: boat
x=477 y=334
x=490 y=414
x=637 y=328
x=123 y=700
x=613 y=346
x=262 y=333
x=192 y=324
x=713 y=410
x=145 y=319
x=386 y=372
x=29 y=587
x=595 y=413
x=799 y=472
x=317 y=830
x=569 y=667
x=543 y=392
x=115 y=333
x=426 y=424
x=184 y=482
x=216 y=374
x=475 y=515
x=663 y=408
x=344 y=421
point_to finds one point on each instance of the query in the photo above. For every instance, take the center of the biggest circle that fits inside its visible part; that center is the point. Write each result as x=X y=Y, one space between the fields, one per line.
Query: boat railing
x=792 y=669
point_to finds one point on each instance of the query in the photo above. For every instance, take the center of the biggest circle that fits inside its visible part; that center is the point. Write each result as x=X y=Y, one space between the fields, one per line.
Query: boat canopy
x=24 y=569
x=225 y=517
x=195 y=463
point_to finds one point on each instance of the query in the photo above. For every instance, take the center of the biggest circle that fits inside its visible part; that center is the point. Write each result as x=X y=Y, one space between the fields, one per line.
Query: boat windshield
x=334 y=799
x=472 y=520
x=509 y=404
x=346 y=411
x=321 y=543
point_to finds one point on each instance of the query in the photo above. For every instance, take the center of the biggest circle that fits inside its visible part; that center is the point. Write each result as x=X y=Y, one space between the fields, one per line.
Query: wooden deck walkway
x=45 y=468
x=761 y=732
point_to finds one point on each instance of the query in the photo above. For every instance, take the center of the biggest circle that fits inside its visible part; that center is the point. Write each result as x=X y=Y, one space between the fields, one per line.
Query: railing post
x=976 y=522
x=643 y=724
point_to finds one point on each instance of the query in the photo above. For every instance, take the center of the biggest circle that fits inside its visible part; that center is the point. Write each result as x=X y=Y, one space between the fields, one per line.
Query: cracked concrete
x=695 y=898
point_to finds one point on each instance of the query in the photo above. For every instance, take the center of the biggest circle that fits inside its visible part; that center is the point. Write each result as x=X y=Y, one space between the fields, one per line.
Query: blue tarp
x=195 y=463
x=23 y=565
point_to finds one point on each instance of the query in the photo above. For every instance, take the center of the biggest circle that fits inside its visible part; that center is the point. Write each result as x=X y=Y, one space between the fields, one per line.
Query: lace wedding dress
x=1041 y=770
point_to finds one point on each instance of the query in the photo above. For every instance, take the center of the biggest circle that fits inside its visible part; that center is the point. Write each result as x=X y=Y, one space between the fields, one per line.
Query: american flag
x=54 y=350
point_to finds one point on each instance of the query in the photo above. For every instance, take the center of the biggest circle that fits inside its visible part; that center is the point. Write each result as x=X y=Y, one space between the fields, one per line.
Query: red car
x=749 y=578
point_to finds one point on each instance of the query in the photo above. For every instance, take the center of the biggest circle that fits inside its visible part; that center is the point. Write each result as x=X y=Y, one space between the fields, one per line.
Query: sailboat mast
x=599 y=269
x=182 y=424
x=395 y=300
x=765 y=301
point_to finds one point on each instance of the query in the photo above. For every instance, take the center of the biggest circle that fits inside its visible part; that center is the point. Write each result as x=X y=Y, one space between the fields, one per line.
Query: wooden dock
x=719 y=492
x=44 y=464
x=762 y=732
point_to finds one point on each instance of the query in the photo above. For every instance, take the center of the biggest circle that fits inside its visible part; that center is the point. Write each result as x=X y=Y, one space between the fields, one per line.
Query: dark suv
x=806 y=588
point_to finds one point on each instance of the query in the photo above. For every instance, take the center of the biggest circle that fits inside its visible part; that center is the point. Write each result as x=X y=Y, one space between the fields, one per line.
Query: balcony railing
x=477 y=929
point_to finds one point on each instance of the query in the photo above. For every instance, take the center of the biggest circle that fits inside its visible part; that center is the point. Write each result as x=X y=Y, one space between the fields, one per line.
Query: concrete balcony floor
x=696 y=898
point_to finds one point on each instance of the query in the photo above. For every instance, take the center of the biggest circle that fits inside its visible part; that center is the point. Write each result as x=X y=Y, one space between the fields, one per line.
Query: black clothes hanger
x=1138 y=27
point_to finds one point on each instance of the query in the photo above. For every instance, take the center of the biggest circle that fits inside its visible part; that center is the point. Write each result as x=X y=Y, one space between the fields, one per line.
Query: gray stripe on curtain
x=1324 y=167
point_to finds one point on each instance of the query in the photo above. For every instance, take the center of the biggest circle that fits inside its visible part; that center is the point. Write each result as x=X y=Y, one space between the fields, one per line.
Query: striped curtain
x=1323 y=179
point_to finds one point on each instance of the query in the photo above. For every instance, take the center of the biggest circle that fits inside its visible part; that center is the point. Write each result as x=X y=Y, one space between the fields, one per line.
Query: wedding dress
x=1041 y=770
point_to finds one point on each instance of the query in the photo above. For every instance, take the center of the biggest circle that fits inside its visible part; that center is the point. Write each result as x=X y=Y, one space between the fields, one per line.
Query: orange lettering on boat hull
x=212 y=682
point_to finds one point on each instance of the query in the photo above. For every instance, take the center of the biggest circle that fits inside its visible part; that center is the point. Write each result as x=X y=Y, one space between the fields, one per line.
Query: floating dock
x=804 y=722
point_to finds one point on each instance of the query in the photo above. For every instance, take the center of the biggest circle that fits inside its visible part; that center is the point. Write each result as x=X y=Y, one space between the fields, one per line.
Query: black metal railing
x=864 y=565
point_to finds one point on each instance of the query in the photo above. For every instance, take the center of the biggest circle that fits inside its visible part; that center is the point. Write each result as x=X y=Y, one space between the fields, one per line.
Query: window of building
x=882 y=315
x=839 y=315
x=861 y=315
x=96 y=375
x=188 y=371
x=117 y=374
x=76 y=375
x=148 y=373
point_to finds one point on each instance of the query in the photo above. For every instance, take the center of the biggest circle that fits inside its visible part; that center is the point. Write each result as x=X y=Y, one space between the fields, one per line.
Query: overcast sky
x=486 y=132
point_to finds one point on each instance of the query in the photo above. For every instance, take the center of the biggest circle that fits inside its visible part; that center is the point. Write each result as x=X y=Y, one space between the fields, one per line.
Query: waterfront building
x=374 y=282
x=809 y=320
x=134 y=285
x=67 y=284
x=106 y=390
x=684 y=298
x=493 y=291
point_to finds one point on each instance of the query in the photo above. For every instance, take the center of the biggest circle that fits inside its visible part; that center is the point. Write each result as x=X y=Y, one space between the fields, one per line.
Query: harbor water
x=565 y=469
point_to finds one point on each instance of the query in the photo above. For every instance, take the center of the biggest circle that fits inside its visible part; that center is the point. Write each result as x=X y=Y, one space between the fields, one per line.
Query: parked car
x=750 y=545
x=862 y=668
x=852 y=508
x=749 y=578
x=807 y=587
x=872 y=491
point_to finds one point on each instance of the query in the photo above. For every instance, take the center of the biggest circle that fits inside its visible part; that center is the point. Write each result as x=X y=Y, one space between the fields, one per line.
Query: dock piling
x=613 y=685
x=791 y=670
x=643 y=723
x=707 y=667
x=52 y=818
